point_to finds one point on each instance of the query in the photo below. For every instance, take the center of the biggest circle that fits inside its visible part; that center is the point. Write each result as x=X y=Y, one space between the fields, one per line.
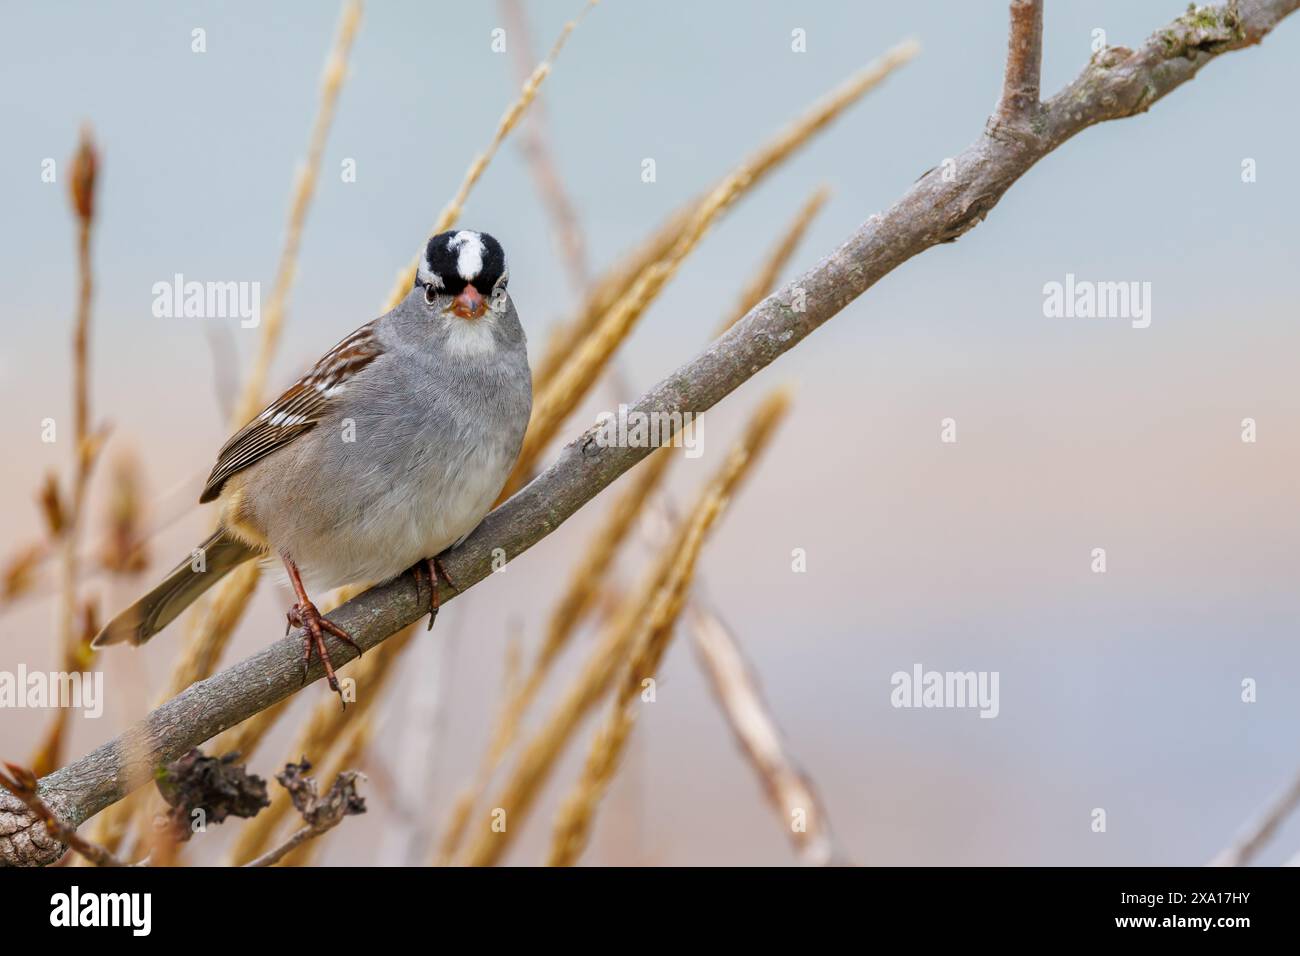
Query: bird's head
x=467 y=267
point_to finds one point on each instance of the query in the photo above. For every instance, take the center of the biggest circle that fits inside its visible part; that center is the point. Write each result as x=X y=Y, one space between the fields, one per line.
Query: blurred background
x=1120 y=691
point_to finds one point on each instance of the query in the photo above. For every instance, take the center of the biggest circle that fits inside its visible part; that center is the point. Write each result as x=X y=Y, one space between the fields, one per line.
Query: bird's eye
x=430 y=294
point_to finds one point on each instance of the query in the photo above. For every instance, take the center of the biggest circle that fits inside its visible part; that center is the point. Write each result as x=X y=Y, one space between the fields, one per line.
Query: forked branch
x=1024 y=62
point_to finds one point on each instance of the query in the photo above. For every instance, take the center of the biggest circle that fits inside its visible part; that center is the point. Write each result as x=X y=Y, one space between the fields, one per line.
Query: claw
x=422 y=570
x=328 y=625
x=445 y=576
x=314 y=627
x=305 y=615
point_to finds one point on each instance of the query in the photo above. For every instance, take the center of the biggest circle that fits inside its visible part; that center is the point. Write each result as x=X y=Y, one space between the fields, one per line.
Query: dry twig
x=568 y=614
x=212 y=621
x=578 y=812
x=349 y=755
x=560 y=388
x=211 y=631
x=245 y=737
x=1249 y=843
x=621 y=639
x=509 y=119
x=64 y=515
x=541 y=163
x=321 y=814
x=22 y=784
x=586 y=579
x=317 y=736
x=788 y=789
x=618 y=281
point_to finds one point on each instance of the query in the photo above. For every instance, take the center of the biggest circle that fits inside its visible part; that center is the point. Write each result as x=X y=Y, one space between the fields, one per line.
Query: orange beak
x=469 y=304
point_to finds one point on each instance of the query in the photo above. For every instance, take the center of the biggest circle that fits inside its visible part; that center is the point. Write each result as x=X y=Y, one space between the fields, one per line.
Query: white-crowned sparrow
x=391 y=449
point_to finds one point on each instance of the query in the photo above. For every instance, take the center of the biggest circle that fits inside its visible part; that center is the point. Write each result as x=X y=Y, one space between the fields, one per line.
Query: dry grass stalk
x=561 y=395
x=318 y=735
x=256 y=729
x=829 y=107
x=541 y=162
x=110 y=828
x=244 y=738
x=251 y=396
x=539 y=756
x=211 y=631
x=124 y=550
x=577 y=813
x=615 y=283
x=449 y=215
x=85 y=169
x=584 y=584
x=764 y=281
x=788 y=789
x=577 y=355
x=608 y=289
x=50 y=500
x=738 y=693
x=214 y=620
x=509 y=119
x=462 y=810
x=569 y=613
x=158 y=846
x=20 y=573
x=64 y=513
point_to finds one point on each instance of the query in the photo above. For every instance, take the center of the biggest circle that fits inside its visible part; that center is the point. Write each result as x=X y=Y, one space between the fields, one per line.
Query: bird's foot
x=432 y=568
x=314 y=627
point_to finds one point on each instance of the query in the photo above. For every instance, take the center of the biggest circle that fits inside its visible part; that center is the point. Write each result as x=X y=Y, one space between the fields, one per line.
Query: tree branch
x=1116 y=83
x=23 y=786
x=1250 y=842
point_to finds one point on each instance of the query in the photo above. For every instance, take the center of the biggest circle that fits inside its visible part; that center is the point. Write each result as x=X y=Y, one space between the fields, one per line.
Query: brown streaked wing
x=303 y=404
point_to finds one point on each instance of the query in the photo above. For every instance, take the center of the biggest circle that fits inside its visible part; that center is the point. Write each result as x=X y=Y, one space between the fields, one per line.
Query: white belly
x=404 y=522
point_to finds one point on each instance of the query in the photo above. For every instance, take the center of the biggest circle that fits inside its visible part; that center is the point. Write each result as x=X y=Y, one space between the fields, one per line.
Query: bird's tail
x=211 y=561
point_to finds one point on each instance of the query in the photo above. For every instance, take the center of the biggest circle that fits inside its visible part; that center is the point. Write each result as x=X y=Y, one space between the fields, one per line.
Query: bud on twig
x=81 y=182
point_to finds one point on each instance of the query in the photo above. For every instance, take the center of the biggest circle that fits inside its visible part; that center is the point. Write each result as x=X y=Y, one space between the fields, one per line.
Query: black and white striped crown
x=453 y=260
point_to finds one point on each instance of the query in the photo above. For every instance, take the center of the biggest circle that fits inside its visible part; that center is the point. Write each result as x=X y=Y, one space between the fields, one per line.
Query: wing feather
x=298 y=410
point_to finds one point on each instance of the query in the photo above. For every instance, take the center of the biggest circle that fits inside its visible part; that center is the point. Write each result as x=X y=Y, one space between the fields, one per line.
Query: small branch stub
x=1020 y=85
